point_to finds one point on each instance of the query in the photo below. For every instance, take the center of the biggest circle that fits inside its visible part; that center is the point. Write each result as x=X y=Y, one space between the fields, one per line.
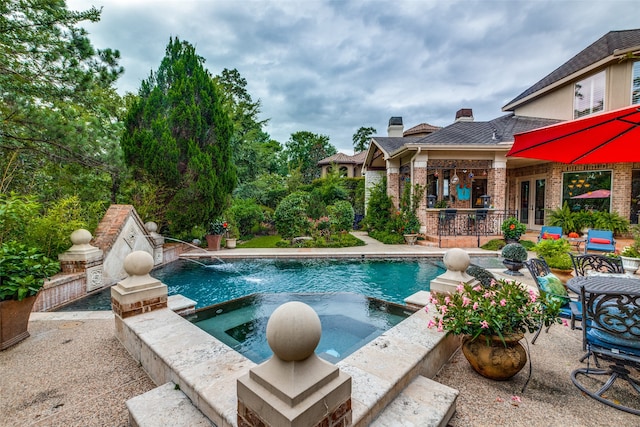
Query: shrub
x=291 y=216
x=514 y=252
x=341 y=215
x=555 y=253
x=482 y=274
x=245 y=216
x=379 y=208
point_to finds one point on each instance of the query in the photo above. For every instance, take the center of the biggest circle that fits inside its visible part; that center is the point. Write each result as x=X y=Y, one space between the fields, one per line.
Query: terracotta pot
x=495 y=361
x=213 y=241
x=14 y=321
x=563 y=275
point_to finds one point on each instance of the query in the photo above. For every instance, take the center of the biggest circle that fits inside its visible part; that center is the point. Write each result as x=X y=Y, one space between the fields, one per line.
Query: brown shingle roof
x=419 y=129
x=341 y=158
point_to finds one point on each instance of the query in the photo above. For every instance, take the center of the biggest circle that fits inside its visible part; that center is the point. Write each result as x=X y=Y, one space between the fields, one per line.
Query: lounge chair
x=600 y=240
x=550 y=232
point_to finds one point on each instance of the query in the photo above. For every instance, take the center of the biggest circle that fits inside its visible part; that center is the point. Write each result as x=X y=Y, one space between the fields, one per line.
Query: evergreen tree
x=177 y=134
x=58 y=107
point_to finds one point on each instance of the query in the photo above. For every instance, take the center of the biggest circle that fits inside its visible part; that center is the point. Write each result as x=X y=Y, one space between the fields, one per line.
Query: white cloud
x=332 y=66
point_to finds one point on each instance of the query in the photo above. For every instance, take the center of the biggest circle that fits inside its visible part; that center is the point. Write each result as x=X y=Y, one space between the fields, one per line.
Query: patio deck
x=73 y=372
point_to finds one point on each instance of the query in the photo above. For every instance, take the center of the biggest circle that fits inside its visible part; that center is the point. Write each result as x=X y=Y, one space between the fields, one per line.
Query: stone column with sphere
x=139 y=292
x=457 y=261
x=294 y=387
x=81 y=257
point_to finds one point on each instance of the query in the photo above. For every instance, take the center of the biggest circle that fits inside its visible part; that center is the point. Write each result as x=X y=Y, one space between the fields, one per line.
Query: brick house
x=466 y=160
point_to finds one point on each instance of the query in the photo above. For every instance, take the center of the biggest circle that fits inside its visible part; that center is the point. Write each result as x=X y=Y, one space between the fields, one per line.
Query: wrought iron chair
x=548 y=283
x=611 y=333
x=582 y=264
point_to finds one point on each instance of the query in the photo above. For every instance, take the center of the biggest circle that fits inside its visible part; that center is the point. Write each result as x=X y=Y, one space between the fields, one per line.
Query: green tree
x=304 y=150
x=361 y=138
x=177 y=135
x=58 y=106
x=254 y=152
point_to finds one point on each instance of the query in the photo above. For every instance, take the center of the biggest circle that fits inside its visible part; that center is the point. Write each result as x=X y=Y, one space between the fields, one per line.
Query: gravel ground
x=550 y=399
x=69 y=373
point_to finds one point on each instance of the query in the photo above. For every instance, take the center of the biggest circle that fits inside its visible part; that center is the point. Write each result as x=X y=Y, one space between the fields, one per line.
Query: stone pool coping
x=172 y=350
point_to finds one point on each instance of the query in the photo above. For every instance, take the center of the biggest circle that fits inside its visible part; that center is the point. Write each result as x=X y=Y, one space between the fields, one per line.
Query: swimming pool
x=390 y=280
x=348 y=321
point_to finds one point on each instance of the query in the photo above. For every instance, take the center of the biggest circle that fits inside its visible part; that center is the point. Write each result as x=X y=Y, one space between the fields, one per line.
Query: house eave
x=566 y=80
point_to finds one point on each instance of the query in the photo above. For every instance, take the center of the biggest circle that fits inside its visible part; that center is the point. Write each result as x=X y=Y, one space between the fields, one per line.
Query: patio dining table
x=610 y=283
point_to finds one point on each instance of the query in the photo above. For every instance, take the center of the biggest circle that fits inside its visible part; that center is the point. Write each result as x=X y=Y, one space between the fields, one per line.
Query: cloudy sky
x=330 y=67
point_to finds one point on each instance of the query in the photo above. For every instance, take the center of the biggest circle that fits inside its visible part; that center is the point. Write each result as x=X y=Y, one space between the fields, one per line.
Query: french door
x=531 y=202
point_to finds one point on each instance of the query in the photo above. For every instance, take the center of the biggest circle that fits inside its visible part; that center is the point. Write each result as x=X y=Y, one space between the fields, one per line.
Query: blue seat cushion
x=553 y=286
x=622 y=331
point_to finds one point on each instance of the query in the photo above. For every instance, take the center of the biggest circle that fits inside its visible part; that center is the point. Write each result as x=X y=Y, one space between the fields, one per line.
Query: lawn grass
x=261 y=242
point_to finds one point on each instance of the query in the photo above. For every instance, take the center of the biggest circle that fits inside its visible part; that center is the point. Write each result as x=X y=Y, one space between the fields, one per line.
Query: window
x=589 y=95
x=587 y=191
x=635 y=83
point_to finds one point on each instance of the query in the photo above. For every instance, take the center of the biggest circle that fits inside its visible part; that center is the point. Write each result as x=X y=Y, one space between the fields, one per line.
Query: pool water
x=348 y=321
x=212 y=281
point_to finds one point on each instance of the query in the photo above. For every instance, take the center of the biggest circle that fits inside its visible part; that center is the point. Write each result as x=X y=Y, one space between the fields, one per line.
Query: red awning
x=609 y=137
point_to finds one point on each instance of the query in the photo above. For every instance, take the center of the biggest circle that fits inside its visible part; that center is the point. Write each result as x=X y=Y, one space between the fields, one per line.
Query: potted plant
x=556 y=255
x=512 y=229
x=22 y=273
x=630 y=255
x=214 y=233
x=492 y=320
x=514 y=255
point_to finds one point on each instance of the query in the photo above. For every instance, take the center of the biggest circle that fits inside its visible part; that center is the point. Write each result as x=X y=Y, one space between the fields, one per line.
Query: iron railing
x=481 y=222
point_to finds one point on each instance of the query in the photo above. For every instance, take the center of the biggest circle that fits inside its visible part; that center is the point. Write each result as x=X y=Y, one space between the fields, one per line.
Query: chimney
x=395 y=128
x=464 y=115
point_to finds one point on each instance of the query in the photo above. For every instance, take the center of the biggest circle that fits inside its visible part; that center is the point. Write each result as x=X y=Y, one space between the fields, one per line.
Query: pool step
x=165 y=406
x=423 y=403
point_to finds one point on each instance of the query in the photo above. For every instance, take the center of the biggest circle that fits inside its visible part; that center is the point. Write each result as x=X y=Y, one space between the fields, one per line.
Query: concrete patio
x=72 y=371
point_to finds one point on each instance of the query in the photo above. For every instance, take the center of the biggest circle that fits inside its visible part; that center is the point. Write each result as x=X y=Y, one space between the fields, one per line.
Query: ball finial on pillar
x=138 y=263
x=293 y=331
x=456 y=259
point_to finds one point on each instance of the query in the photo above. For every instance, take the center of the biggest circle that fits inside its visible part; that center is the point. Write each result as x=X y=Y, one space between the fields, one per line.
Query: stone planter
x=495 y=360
x=213 y=241
x=513 y=267
x=630 y=265
x=231 y=242
x=14 y=321
x=410 y=239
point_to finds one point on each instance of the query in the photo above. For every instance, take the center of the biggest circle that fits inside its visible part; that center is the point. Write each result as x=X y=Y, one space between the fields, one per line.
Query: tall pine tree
x=178 y=136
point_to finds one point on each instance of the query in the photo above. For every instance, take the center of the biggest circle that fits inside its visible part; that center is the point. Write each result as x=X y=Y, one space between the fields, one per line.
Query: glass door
x=532 y=202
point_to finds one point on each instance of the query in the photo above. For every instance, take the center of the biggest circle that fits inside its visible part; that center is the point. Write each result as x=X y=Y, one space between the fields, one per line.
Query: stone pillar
x=393 y=181
x=82 y=257
x=138 y=293
x=420 y=177
x=498 y=188
x=457 y=261
x=295 y=387
x=158 y=242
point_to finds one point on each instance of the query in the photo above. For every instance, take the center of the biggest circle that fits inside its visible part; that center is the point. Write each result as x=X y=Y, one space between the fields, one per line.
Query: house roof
x=421 y=128
x=608 y=45
x=341 y=158
x=494 y=131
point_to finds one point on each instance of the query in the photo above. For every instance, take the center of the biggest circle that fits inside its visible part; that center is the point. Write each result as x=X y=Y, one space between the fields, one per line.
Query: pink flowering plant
x=503 y=308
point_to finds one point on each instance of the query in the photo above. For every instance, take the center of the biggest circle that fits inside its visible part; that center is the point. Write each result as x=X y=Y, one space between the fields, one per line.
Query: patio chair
x=600 y=240
x=547 y=282
x=550 y=232
x=611 y=333
x=584 y=264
